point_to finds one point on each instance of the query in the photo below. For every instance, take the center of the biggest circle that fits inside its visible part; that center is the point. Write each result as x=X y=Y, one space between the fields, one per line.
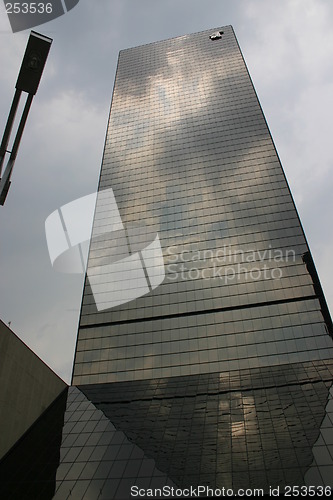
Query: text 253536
x=28 y=8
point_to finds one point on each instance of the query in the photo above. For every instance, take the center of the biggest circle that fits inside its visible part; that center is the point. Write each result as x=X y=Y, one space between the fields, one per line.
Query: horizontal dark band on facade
x=324 y=374
x=198 y=394
x=205 y=311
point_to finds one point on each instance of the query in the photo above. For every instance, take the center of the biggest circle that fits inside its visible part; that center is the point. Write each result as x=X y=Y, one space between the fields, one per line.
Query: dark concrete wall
x=27 y=387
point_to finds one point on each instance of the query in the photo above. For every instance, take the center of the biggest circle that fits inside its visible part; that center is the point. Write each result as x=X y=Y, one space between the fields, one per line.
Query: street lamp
x=28 y=80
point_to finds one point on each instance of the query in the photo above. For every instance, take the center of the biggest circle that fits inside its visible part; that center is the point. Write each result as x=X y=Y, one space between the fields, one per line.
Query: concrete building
x=27 y=387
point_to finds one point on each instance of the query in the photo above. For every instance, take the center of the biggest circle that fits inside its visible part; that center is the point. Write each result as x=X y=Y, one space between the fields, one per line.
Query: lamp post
x=28 y=80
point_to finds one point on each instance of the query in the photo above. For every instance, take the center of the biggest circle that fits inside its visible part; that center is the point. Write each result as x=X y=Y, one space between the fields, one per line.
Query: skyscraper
x=204 y=351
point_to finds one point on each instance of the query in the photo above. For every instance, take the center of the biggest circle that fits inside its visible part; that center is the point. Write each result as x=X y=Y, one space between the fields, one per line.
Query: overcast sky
x=288 y=47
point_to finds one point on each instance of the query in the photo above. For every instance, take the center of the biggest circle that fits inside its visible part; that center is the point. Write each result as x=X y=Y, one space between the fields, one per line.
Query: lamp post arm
x=9 y=126
x=5 y=180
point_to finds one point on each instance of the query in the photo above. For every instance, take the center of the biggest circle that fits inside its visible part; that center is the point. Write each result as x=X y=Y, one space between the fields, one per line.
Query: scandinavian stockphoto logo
x=228 y=264
x=25 y=14
x=125 y=262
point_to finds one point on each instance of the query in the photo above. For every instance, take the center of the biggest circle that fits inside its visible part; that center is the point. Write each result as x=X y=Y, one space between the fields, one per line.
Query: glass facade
x=212 y=366
x=189 y=156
